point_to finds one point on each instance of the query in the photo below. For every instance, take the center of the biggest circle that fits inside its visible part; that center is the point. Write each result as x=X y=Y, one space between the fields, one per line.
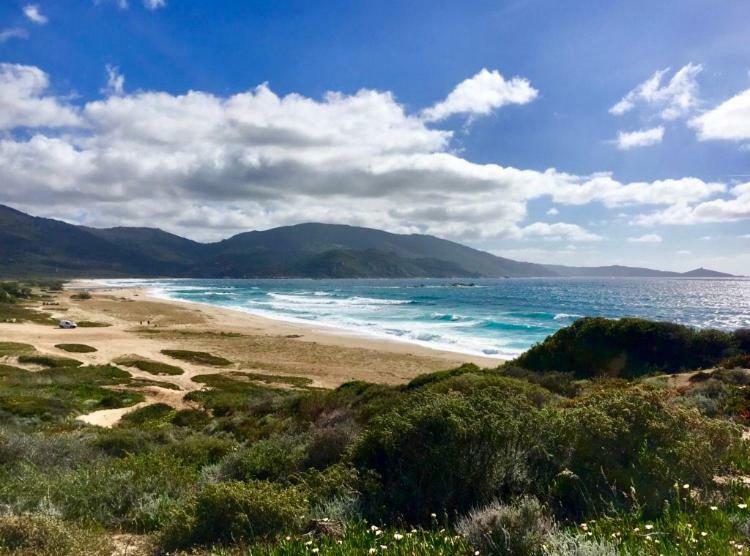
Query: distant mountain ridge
x=41 y=246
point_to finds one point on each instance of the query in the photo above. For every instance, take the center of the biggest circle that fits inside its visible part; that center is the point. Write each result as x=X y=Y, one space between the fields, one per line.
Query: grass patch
x=76 y=348
x=153 y=367
x=197 y=357
x=21 y=312
x=81 y=296
x=92 y=324
x=49 y=361
x=144 y=382
x=298 y=381
x=150 y=415
x=15 y=348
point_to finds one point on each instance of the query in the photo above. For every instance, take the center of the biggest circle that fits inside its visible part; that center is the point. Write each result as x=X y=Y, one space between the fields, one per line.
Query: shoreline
x=337 y=334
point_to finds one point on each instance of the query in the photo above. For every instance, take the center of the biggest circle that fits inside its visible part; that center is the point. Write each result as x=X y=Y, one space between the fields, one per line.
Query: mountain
x=41 y=246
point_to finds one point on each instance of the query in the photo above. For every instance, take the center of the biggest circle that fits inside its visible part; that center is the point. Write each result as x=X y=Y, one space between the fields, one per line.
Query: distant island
x=32 y=246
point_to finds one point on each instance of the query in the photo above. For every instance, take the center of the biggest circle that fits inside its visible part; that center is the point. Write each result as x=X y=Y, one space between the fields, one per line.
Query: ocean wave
x=566 y=316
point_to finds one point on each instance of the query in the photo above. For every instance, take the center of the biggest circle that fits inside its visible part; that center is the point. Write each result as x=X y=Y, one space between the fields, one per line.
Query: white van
x=68 y=324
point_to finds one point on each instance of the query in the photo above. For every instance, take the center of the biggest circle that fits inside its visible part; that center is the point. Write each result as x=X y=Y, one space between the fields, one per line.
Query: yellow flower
x=649 y=526
x=742 y=506
x=398 y=536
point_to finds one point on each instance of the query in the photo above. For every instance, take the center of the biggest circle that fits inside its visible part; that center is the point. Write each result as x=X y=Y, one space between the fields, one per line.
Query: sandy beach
x=141 y=325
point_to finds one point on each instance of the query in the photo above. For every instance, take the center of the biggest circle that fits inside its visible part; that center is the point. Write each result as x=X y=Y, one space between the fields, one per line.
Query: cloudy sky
x=580 y=132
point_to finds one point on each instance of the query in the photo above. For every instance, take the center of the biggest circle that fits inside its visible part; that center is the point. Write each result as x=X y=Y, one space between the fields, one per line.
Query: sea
x=488 y=317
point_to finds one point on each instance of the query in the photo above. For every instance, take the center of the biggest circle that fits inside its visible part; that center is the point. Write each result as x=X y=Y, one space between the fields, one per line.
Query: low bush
x=153 y=367
x=92 y=324
x=149 y=416
x=81 y=296
x=15 y=348
x=197 y=357
x=76 y=348
x=237 y=512
x=625 y=449
x=49 y=361
x=628 y=348
x=517 y=529
x=444 y=451
x=44 y=535
x=273 y=459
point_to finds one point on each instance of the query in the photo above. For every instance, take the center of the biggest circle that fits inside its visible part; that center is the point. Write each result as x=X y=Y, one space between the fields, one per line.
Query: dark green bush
x=197 y=357
x=628 y=348
x=237 y=512
x=273 y=459
x=76 y=348
x=447 y=451
x=622 y=449
x=49 y=361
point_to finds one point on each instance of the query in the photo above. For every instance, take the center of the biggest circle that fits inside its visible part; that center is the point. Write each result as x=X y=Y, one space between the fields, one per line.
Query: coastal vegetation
x=610 y=437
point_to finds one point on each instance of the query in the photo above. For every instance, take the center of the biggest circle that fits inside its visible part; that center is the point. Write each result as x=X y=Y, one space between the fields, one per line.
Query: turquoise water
x=499 y=318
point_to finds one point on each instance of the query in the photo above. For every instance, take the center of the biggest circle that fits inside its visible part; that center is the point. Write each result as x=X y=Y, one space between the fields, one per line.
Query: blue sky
x=418 y=138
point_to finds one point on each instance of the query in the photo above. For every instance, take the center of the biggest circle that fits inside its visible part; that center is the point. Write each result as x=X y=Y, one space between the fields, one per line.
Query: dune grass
x=76 y=348
x=49 y=361
x=197 y=357
x=15 y=348
x=92 y=324
x=149 y=366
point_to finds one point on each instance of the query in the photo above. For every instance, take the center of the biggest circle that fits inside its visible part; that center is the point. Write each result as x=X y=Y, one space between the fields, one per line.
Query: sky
x=581 y=133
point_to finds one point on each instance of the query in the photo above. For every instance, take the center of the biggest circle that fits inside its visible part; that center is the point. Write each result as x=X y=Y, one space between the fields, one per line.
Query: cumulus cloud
x=207 y=166
x=627 y=140
x=715 y=210
x=24 y=101
x=115 y=81
x=154 y=4
x=553 y=212
x=729 y=121
x=34 y=14
x=13 y=33
x=481 y=95
x=647 y=238
x=674 y=99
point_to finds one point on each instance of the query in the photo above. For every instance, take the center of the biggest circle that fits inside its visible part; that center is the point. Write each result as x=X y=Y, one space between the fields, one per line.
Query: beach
x=141 y=325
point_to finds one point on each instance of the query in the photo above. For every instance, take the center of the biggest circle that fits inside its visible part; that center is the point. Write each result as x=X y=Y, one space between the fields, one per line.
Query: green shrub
x=191 y=418
x=92 y=324
x=517 y=529
x=49 y=361
x=446 y=451
x=15 y=348
x=197 y=357
x=621 y=449
x=118 y=442
x=567 y=544
x=237 y=512
x=271 y=459
x=81 y=296
x=43 y=535
x=153 y=367
x=149 y=415
x=628 y=348
x=76 y=348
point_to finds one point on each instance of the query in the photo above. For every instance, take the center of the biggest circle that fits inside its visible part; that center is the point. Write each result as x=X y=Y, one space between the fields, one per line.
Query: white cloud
x=641 y=138
x=684 y=252
x=34 y=14
x=673 y=100
x=154 y=4
x=13 y=33
x=558 y=231
x=553 y=212
x=23 y=102
x=122 y=4
x=647 y=238
x=728 y=121
x=115 y=81
x=715 y=210
x=207 y=166
x=480 y=95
